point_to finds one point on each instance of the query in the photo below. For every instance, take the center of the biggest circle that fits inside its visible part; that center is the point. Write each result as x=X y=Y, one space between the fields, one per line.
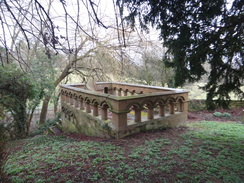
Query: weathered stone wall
x=86 y=112
x=78 y=121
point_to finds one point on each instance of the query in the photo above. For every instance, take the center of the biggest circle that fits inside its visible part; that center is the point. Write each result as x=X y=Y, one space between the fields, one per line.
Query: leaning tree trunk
x=63 y=75
x=55 y=108
x=44 y=109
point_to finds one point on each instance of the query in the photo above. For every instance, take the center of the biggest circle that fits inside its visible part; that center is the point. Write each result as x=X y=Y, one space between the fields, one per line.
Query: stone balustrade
x=121 y=109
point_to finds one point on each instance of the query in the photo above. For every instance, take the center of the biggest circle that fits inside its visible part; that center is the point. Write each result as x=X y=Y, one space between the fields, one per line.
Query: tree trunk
x=20 y=121
x=55 y=109
x=44 y=109
x=63 y=75
x=29 y=119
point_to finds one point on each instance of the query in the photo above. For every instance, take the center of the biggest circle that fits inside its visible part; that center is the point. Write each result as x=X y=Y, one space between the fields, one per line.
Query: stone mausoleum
x=120 y=109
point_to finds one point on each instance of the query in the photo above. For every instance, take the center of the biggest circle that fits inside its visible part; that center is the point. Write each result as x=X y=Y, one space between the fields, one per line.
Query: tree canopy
x=198 y=32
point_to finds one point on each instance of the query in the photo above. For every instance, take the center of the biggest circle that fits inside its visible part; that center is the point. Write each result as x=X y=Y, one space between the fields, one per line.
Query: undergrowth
x=207 y=152
x=225 y=115
x=45 y=126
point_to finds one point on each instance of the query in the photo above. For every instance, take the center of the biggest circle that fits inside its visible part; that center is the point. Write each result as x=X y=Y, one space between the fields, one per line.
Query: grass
x=204 y=152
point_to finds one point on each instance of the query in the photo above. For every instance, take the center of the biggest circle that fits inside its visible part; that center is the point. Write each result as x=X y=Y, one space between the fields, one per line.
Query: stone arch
x=170 y=99
x=148 y=103
x=94 y=101
x=171 y=102
x=104 y=110
x=161 y=103
x=80 y=97
x=95 y=105
x=70 y=94
x=180 y=103
x=114 y=90
x=62 y=91
x=87 y=99
x=149 y=106
x=66 y=93
x=71 y=98
x=87 y=104
x=126 y=92
x=120 y=92
x=137 y=108
x=180 y=98
x=81 y=102
x=75 y=96
x=105 y=90
x=104 y=103
x=133 y=104
x=62 y=95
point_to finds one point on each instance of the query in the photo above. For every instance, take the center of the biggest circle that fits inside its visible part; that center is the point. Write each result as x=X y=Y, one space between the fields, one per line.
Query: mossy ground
x=203 y=151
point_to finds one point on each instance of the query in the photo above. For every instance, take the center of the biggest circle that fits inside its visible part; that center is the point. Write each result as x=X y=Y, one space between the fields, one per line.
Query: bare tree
x=37 y=24
x=75 y=31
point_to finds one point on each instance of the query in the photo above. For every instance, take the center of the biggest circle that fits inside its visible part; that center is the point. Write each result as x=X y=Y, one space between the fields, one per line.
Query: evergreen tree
x=197 y=32
x=16 y=89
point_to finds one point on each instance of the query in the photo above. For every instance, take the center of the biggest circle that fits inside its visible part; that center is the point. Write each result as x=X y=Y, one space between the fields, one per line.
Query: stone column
x=180 y=106
x=150 y=114
x=104 y=112
x=71 y=100
x=67 y=99
x=137 y=115
x=95 y=110
x=119 y=120
x=81 y=104
x=119 y=92
x=172 y=108
x=161 y=110
x=63 y=98
x=76 y=103
x=126 y=92
x=88 y=107
x=114 y=91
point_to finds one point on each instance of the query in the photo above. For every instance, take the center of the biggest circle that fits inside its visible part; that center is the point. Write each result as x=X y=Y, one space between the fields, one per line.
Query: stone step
x=57 y=128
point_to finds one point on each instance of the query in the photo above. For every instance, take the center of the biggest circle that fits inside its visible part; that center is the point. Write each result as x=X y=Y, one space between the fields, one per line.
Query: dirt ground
x=193 y=116
x=236 y=115
x=139 y=139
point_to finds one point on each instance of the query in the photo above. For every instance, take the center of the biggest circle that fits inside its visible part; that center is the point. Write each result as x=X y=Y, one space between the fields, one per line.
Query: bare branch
x=16 y=20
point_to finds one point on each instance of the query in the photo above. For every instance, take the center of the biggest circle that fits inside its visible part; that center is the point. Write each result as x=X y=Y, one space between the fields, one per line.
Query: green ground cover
x=201 y=152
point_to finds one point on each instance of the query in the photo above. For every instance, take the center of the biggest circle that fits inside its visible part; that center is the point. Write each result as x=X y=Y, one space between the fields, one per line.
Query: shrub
x=15 y=90
x=196 y=105
x=226 y=114
x=219 y=114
